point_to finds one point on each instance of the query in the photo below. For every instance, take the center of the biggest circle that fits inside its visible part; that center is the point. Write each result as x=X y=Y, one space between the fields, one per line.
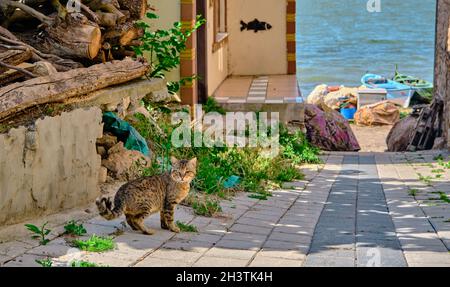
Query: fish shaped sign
x=255 y=25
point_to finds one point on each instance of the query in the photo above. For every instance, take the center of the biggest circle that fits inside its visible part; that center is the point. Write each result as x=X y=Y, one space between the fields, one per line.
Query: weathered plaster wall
x=442 y=64
x=217 y=58
x=51 y=167
x=261 y=53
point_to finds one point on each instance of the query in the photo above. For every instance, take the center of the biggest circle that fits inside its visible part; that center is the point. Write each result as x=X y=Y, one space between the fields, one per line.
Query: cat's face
x=183 y=171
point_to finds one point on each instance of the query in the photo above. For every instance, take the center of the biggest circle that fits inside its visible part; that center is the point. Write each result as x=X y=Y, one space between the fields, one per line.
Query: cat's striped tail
x=104 y=205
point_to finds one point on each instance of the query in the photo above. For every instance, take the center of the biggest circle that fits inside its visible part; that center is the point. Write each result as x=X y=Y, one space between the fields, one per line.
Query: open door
x=202 y=60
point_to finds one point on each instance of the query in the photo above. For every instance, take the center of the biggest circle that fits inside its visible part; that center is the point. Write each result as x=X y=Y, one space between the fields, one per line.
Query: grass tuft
x=185 y=227
x=95 y=244
x=73 y=228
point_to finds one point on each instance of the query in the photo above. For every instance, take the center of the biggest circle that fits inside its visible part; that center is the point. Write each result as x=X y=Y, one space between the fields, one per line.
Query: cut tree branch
x=4 y=4
x=23 y=71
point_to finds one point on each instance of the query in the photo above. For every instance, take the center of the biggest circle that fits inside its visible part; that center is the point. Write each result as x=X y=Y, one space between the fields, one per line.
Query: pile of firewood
x=41 y=37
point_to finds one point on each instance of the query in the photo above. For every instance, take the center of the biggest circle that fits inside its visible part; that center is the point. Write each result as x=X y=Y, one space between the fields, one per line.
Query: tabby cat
x=145 y=196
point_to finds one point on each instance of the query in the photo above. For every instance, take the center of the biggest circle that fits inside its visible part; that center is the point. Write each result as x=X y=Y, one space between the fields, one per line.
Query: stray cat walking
x=142 y=197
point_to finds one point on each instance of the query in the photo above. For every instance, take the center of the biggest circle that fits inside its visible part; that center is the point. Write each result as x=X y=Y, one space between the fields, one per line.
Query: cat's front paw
x=174 y=228
x=164 y=225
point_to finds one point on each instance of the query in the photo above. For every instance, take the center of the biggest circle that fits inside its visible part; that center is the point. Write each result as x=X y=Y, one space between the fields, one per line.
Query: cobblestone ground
x=364 y=209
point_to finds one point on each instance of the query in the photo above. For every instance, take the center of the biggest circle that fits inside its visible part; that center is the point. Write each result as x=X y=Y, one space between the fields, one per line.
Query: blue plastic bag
x=125 y=133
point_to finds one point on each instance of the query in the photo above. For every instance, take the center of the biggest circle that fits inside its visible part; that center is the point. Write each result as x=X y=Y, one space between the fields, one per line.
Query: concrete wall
x=442 y=61
x=50 y=167
x=217 y=58
x=261 y=53
x=169 y=13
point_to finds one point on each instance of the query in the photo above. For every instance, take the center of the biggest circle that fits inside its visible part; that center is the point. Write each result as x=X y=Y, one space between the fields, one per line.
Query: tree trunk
x=60 y=86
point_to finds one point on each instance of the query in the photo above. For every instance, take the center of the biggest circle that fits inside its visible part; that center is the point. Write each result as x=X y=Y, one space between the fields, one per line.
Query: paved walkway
x=355 y=210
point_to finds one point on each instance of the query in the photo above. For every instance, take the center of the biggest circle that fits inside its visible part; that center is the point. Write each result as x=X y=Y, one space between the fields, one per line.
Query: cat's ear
x=193 y=162
x=173 y=160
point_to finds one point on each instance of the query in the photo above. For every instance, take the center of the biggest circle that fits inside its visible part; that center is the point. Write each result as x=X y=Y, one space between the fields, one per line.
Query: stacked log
x=65 y=34
x=58 y=87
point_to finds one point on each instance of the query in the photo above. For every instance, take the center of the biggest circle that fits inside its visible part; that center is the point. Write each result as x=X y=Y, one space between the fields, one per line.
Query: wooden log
x=108 y=6
x=75 y=37
x=107 y=19
x=14 y=75
x=9 y=41
x=61 y=86
x=137 y=8
x=14 y=57
x=122 y=35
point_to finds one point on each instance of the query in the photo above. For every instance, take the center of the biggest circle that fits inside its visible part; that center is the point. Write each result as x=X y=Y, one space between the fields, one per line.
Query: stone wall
x=442 y=64
x=51 y=166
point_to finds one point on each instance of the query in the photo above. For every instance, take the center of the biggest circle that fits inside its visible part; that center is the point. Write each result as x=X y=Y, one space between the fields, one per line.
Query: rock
x=328 y=130
x=400 y=134
x=317 y=95
x=124 y=164
x=101 y=150
x=378 y=114
x=123 y=106
x=439 y=143
x=139 y=109
x=102 y=174
x=162 y=95
x=107 y=141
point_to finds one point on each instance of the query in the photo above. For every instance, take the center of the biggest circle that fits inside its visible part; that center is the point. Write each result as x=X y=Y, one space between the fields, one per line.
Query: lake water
x=339 y=40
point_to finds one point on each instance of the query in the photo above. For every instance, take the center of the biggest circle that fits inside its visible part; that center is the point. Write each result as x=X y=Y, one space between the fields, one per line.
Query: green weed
x=184 y=227
x=413 y=192
x=260 y=196
x=44 y=262
x=439 y=157
x=425 y=179
x=95 y=244
x=207 y=207
x=85 y=264
x=73 y=228
x=39 y=233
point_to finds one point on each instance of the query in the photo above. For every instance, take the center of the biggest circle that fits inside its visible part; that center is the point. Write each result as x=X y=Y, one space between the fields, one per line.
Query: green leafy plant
x=39 y=233
x=443 y=196
x=297 y=148
x=84 y=264
x=207 y=207
x=211 y=105
x=73 y=228
x=95 y=244
x=438 y=170
x=413 y=192
x=165 y=48
x=444 y=164
x=44 y=262
x=425 y=179
x=260 y=196
x=439 y=157
x=184 y=227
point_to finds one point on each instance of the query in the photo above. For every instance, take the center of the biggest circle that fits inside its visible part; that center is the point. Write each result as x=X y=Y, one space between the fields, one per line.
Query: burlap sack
x=382 y=113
